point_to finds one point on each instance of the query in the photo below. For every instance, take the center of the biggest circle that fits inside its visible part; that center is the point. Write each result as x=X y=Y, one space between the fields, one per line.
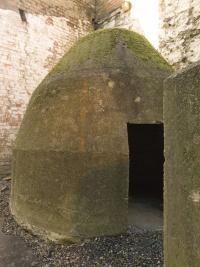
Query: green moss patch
x=98 y=47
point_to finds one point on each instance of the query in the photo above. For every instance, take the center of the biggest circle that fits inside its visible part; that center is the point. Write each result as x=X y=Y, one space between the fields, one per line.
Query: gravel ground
x=136 y=248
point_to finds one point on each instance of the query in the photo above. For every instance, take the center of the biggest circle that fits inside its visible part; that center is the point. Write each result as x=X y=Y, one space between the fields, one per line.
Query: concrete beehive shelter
x=71 y=158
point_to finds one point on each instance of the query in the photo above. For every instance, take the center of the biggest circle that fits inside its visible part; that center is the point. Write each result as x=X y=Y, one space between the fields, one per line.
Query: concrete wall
x=182 y=168
x=28 y=51
x=180 y=34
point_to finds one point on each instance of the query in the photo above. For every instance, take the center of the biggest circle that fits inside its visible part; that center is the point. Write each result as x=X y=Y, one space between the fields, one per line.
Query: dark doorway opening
x=146 y=159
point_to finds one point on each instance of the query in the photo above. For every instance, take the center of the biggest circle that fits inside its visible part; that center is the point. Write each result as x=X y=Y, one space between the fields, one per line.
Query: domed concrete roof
x=70 y=166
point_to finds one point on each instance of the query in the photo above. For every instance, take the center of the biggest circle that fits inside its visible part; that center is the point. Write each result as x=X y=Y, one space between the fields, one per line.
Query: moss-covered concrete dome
x=70 y=163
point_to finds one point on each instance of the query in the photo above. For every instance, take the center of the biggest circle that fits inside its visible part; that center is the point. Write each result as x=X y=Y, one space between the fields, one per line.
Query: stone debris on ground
x=136 y=248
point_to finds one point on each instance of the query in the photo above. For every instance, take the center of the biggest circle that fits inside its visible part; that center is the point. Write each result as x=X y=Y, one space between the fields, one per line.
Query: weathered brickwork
x=121 y=17
x=105 y=8
x=180 y=35
x=74 y=9
x=28 y=50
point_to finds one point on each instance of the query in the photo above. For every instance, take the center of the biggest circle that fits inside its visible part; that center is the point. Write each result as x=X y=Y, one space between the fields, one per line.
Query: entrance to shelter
x=146 y=159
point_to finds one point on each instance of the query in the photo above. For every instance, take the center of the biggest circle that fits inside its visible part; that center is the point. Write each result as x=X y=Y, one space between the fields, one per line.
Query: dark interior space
x=146 y=156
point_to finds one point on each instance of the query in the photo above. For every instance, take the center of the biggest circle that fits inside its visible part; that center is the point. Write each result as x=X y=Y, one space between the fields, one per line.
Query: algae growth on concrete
x=71 y=159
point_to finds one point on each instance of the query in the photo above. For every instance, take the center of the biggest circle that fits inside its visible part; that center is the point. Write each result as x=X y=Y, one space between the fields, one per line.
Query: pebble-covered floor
x=136 y=248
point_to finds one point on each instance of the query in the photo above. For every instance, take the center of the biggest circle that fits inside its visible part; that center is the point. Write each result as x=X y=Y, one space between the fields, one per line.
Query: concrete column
x=182 y=168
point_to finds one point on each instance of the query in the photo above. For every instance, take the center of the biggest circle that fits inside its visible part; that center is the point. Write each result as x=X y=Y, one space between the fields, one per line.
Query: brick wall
x=118 y=17
x=28 y=51
x=104 y=8
x=74 y=9
x=180 y=35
